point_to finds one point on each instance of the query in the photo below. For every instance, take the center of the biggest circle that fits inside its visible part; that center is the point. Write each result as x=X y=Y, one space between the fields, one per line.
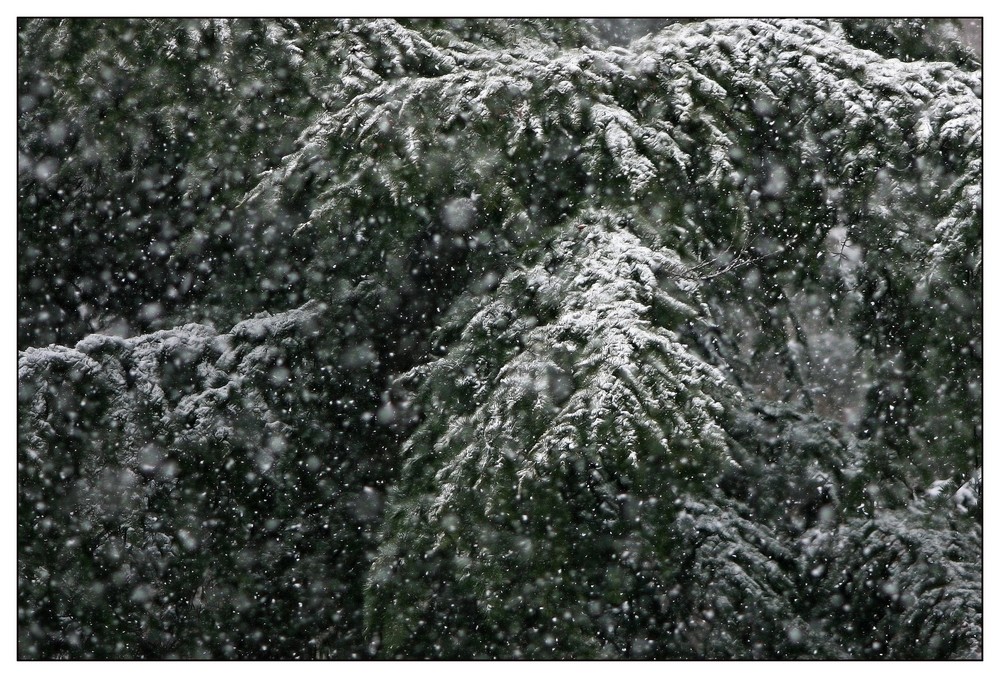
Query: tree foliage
x=557 y=347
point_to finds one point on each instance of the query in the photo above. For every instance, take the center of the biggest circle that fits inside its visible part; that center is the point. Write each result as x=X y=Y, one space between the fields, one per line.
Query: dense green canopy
x=490 y=338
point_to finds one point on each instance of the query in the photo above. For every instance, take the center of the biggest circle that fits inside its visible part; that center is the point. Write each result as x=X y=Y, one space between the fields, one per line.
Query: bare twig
x=740 y=260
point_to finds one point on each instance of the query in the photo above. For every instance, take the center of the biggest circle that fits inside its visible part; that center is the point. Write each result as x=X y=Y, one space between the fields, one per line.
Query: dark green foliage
x=203 y=507
x=133 y=135
x=902 y=586
x=580 y=347
x=546 y=425
x=916 y=39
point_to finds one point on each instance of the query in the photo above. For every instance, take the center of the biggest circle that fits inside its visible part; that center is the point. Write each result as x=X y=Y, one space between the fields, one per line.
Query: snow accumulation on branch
x=670 y=348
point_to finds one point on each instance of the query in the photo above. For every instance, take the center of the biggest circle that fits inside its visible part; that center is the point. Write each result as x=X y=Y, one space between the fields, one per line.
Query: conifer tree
x=557 y=347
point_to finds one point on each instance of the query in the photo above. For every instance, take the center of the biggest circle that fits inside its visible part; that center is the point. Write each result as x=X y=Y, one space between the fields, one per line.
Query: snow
x=548 y=338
